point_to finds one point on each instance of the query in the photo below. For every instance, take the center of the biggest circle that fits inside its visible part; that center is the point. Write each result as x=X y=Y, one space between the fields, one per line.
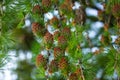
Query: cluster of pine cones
x=113 y=17
x=61 y=35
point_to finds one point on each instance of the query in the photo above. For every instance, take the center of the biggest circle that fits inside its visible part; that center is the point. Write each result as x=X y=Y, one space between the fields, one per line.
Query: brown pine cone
x=37 y=9
x=46 y=3
x=58 y=52
x=62 y=42
x=41 y=61
x=54 y=22
x=73 y=76
x=78 y=72
x=37 y=29
x=66 y=32
x=116 y=10
x=80 y=16
x=56 y=35
x=48 y=40
x=55 y=2
x=63 y=63
x=66 y=7
x=53 y=67
x=117 y=41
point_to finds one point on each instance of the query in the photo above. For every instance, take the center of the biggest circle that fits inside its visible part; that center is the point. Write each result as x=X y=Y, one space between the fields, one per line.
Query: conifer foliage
x=65 y=49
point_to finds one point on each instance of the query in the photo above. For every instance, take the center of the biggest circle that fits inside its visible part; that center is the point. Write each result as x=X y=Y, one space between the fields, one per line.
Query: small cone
x=48 y=40
x=46 y=3
x=116 y=10
x=58 y=52
x=55 y=1
x=73 y=76
x=56 y=35
x=37 y=9
x=80 y=16
x=53 y=67
x=117 y=41
x=66 y=7
x=37 y=29
x=78 y=72
x=62 y=42
x=54 y=22
x=66 y=32
x=64 y=66
x=63 y=63
x=41 y=61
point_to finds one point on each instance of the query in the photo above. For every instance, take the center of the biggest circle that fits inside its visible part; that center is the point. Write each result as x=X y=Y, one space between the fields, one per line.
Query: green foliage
x=57 y=77
x=16 y=36
x=24 y=67
x=3 y=59
x=40 y=73
x=37 y=48
x=6 y=41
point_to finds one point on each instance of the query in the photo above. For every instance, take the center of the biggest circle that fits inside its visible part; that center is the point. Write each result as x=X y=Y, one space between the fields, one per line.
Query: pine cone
x=41 y=61
x=78 y=72
x=63 y=63
x=80 y=16
x=62 y=20
x=37 y=9
x=46 y=3
x=48 y=40
x=56 y=35
x=73 y=76
x=117 y=41
x=53 y=67
x=37 y=29
x=66 y=32
x=66 y=7
x=116 y=10
x=58 y=52
x=55 y=2
x=62 y=42
x=54 y=22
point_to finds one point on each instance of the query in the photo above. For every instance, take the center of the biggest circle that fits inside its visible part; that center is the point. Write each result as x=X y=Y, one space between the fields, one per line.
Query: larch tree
x=63 y=38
